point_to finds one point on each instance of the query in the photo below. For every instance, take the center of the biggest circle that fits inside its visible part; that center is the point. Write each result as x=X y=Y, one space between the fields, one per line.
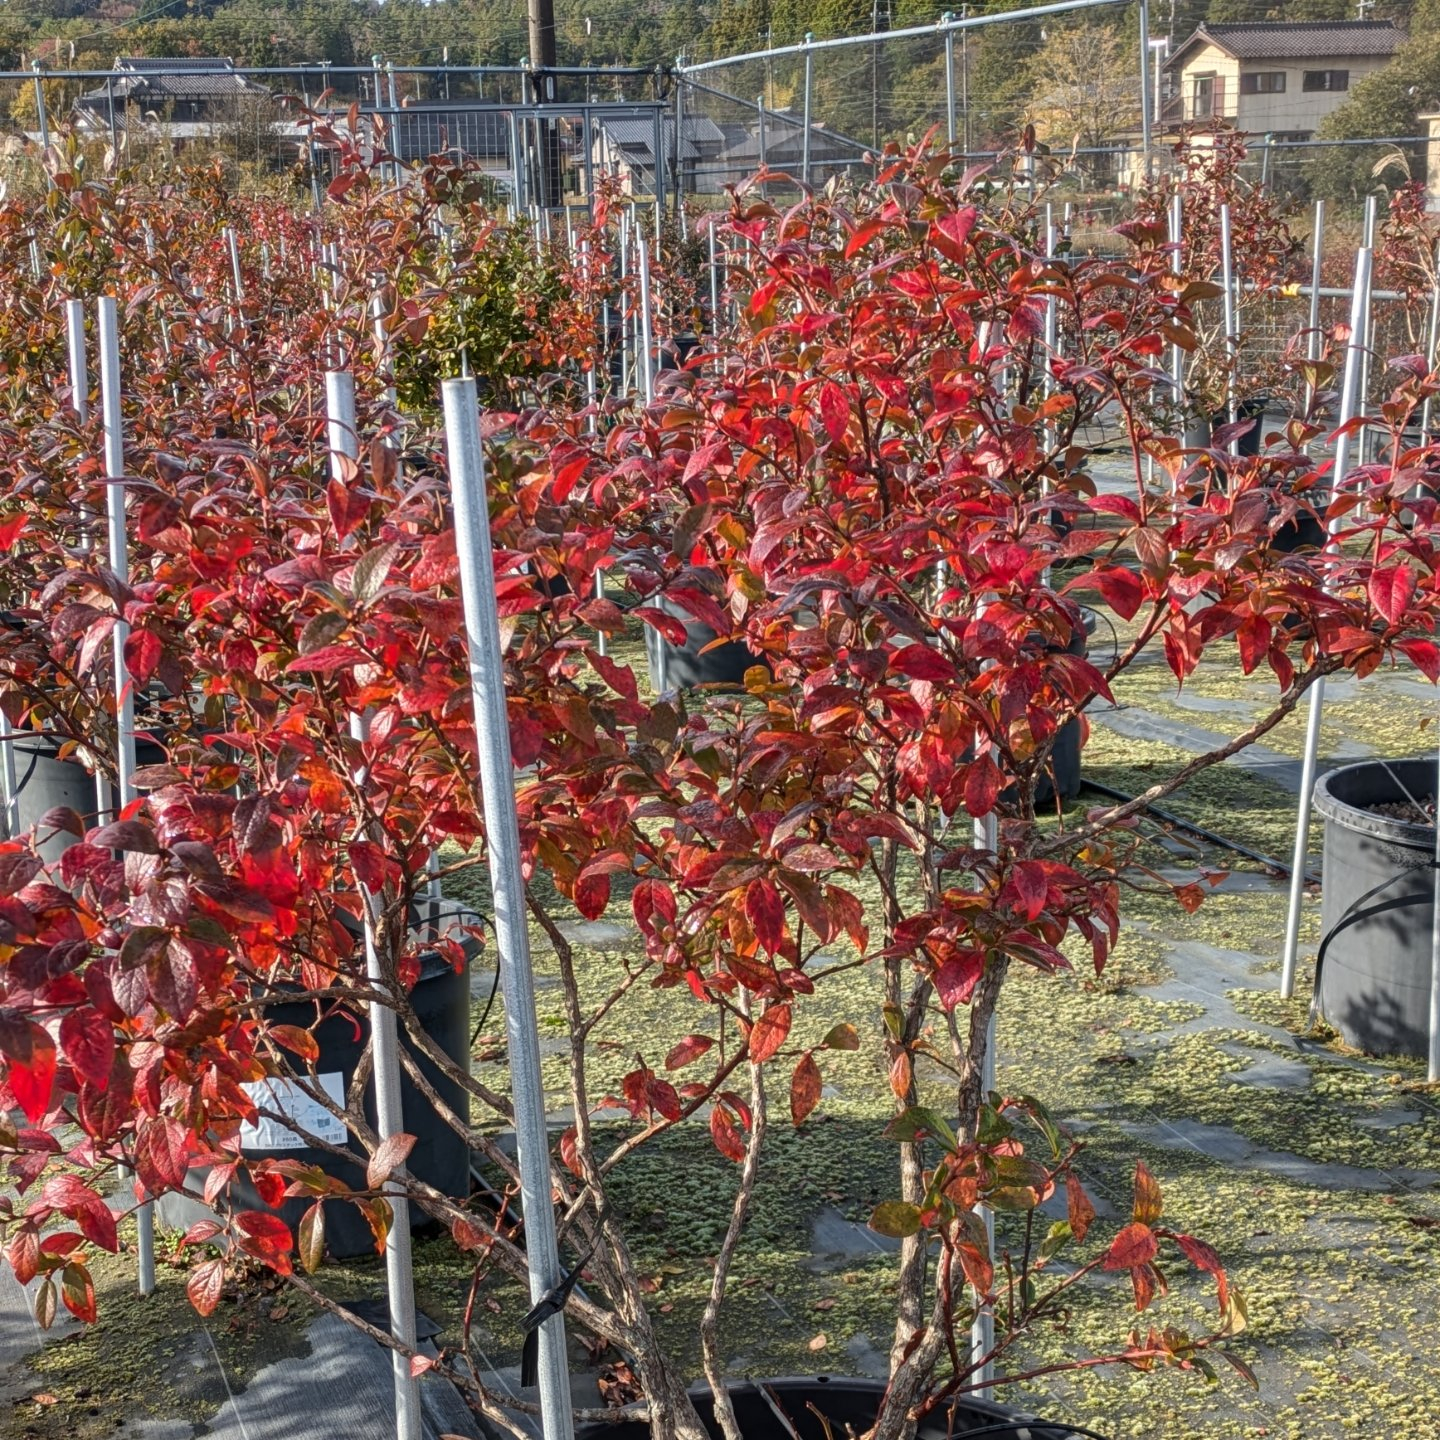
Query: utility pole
x=542 y=74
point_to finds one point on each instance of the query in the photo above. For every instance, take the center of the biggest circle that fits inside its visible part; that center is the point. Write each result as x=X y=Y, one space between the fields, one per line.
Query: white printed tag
x=287 y=1098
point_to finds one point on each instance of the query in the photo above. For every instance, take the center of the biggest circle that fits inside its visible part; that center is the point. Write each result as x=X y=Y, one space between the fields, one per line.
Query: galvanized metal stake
x=809 y=89
x=947 y=19
x=1350 y=404
x=108 y=328
x=982 y=1327
x=497 y=782
x=343 y=437
x=1232 y=323
x=647 y=339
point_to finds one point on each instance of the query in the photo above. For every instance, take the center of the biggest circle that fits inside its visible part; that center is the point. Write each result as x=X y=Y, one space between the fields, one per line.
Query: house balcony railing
x=1197 y=106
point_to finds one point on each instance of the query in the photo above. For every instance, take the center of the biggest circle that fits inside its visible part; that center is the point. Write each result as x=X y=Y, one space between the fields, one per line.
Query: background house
x=624 y=148
x=1278 y=79
x=189 y=92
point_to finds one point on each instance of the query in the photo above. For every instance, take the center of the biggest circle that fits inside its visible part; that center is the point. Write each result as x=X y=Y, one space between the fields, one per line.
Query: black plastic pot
x=1377 y=909
x=1200 y=429
x=44 y=781
x=441 y=1158
x=848 y=1405
x=1065 y=777
x=1304 y=532
x=685 y=666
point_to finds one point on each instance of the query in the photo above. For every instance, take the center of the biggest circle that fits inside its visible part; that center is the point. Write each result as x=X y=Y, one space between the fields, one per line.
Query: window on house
x=1263 y=82
x=1326 y=80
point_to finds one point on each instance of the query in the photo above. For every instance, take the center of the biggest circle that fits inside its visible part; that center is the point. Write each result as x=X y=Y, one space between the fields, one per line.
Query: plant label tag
x=286 y=1097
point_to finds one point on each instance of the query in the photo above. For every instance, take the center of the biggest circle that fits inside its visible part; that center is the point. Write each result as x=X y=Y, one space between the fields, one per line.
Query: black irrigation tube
x=1170 y=818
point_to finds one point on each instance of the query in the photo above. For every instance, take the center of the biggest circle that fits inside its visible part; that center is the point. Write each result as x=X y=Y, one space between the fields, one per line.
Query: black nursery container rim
x=1352 y=817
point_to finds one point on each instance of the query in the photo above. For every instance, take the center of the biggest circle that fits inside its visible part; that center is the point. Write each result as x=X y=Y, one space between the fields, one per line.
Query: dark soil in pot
x=848 y=1405
x=441 y=999
x=1377 y=908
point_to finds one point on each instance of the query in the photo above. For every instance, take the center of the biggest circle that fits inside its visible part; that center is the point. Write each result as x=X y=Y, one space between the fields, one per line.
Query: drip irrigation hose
x=1034 y=1430
x=1170 y=818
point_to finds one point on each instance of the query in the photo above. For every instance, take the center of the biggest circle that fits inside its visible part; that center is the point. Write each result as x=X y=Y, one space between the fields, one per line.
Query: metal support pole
x=1367 y=337
x=1317 y=256
x=647 y=338
x=497 y=786
x=75 y=354
x=1350 y=405
x=42 y=120
x=1177 y=239
x=1432 y=340
x=382 y=345
x=517 y=182
x=1145 y=58
x=342 y=434
x=714 y=279
x=1232 y=323
x=678 y=173
x=982 y=1328
x=108 y=330
x=760 y=118
x=236 y=276
x=805 y=138
x=110 y=112
x=945 y=19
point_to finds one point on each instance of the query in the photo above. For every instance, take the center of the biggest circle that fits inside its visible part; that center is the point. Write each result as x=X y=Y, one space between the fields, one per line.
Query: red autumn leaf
x=1081 y=1210
x=11 y=528
x=804 y=1089
x=391 y=1153
x=162 y=1153
x=768 y=1032
x=766 y=912
x=32 y=1064
x=328 y=659
x=143 y=653
x=1148 y=1204
x=834 y=411
x=205 y=1285
x=955 y=980
x=1253 y=640
x=725 y=1133
x=297 y=1041
x=652 y=902
x=1204 y=1257
x=592 y=895
x=270 y=1186
x=347 y=506
x=88 y=1041
x=1121 y=589
x=922 y=662
x=691 y=1048
x=1391 y=589
x=266 y=1237
x=312 y=1237
x=370 y=862
x=77 y=1290
x=1134 y=1245
x=1424 y=655
x=983 y=786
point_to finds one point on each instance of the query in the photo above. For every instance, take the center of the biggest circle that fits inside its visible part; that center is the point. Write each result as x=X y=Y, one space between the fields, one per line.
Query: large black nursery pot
x=685 y=666
x=1200 y=429
x=441 y=1158
x=1377 y=909
x=849 y=1407
x=1065 y=777
x=44 y=780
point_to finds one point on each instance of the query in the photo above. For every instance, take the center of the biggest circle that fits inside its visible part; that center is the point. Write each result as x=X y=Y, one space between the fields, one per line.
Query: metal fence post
x=1145 y=58
x=1352 y=403
x=343 y=440
x=43 y=121
x=678 y=173
x=497 y=787
x=760 y=120
x=947 y=19
x=809 y=90
x=108 y=335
